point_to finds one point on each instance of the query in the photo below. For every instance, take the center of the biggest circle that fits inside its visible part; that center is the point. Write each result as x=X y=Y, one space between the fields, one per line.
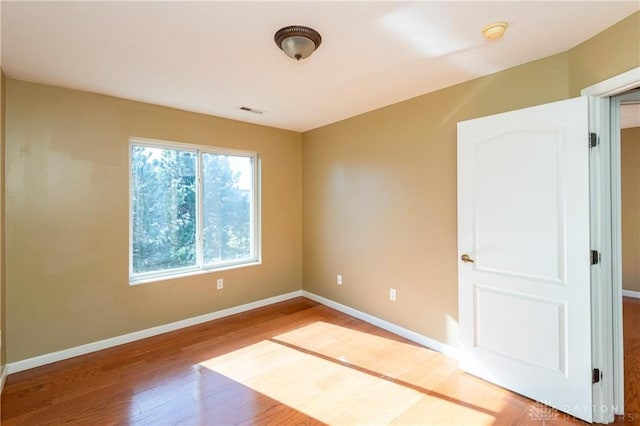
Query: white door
x=524 y=255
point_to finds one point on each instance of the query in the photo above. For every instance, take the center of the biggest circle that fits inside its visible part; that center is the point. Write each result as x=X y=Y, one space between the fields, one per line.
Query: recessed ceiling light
x=495 y=31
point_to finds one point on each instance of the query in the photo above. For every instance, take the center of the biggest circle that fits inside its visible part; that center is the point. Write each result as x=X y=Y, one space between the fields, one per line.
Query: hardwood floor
x=295 y=362
x=631 y=327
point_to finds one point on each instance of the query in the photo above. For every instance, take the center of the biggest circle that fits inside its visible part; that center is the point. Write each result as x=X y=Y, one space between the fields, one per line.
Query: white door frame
x=606 y=237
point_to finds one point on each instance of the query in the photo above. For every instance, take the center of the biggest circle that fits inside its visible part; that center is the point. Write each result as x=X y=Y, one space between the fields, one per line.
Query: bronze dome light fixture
x=297 y=42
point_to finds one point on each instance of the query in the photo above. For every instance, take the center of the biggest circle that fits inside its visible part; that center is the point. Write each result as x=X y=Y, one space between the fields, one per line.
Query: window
x=192 y=208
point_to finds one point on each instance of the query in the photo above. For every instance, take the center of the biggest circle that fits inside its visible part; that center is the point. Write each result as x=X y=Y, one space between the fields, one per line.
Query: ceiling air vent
x=255 y=111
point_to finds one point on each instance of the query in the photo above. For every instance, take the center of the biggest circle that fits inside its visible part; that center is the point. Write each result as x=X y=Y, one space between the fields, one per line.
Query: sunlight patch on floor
x=341 y=376
x=386 y=357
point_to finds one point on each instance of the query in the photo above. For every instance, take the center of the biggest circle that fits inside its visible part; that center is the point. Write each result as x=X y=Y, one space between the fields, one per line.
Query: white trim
x=3 y=377
x=615 y=230
x=614 y=85
x=631 y=293
x=386 y=325
x=600 y=239
x=168 y=144
x=37 y=361
x=199 y=267
x=191 y=273
x=611 y=232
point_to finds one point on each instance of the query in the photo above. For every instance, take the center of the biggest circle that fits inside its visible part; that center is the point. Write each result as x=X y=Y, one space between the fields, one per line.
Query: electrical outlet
x=392 y=294
x=339 y=279
x=220 y=284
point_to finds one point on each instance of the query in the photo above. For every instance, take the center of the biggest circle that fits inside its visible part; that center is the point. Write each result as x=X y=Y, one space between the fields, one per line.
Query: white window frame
x=200 y=267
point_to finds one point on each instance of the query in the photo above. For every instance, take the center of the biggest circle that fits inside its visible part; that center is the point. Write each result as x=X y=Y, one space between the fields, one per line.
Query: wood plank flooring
x=296 y=362
x=631 y=327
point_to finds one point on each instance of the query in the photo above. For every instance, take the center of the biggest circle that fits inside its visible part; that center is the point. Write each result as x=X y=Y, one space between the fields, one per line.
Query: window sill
x=147 y=280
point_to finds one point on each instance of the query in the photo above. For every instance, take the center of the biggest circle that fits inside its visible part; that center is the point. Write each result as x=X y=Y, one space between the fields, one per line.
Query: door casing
x=606 y=237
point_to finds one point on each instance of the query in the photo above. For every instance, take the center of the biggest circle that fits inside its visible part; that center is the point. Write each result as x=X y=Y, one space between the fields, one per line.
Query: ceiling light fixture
x=495 y=31
x=297 y=42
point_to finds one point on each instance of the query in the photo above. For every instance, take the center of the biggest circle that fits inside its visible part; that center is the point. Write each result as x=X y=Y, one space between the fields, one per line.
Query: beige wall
x=380 y=197
x=380 y=188
x=609 y=53
x=3 y=281
x=630 y=176
x=67 y=218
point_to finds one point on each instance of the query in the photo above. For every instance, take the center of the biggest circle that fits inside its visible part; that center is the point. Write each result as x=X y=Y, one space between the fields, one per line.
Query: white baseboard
x=631 y=293
x=386 y=325
x=49 y=358
x=3 y=377
x=37 y=361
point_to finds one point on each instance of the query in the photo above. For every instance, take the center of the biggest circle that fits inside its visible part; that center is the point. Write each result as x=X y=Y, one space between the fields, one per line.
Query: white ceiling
x=214 y=57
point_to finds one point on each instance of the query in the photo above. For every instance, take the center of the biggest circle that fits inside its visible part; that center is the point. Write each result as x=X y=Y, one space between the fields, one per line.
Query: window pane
x=227 y=189
x=163 y=197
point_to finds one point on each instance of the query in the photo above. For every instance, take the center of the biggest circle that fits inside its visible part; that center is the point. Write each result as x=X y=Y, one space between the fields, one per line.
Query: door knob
x=466 y=258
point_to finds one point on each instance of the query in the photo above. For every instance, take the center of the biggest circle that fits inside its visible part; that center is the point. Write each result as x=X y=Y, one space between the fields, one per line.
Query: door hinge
x=596 y=375
x=595 y=257
x=593 y=140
